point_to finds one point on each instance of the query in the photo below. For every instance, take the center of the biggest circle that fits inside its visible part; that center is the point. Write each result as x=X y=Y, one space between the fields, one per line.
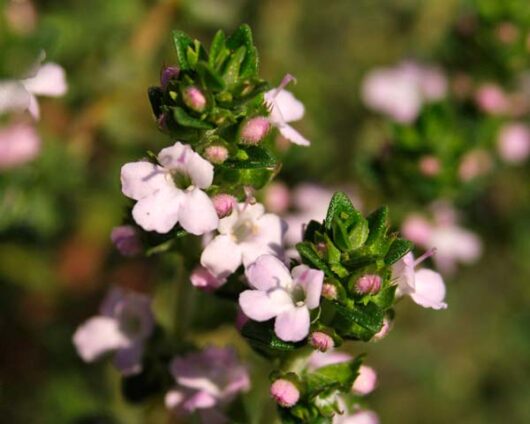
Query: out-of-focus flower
x=513 y=143
x=21 y=16
x=170 y=193
x=322 y=359
x=425 y=287
x=124 y=323
x=203 y=279
x=366 y=381
x=474 y=163
x=206 y=381
x=360 y=417
x=277 y=197
x=492 y=99
x=20 y=95
x=288 y=297
x=19 y=143
x=429 y=165
x=400 y=91
x=244 y=235
x=285 y=393
x=126 y=239
x=507 y=32
x=286 y=108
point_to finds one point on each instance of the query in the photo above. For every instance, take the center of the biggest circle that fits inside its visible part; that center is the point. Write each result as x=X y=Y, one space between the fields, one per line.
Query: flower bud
x=368 y=284
x=223 y=204
x=365 y=382
x=329 y=291
x=194 y=99
x=284 y=393
x=254 y=130
x=205 y=280
x=216 y=154
x=321 y=341
x=125 y=238
x=168 y=74
x=385 y=329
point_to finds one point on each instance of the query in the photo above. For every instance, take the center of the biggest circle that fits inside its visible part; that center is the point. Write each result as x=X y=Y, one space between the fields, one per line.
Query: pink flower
x=126 y=240
x=425 y=287
x=360 y=417
x=514 y=143
x=203 y=279
x=20 y=95
x=206 y=380
x=244 y=235
x=19 y=143
x=124 y=324
x=285 y=393
x=475 y=163
x=286 y=108
x=492 y=99
x=429 y=165
x=277 y=197
x=170 y=193
x=366 y=381
x=288 y=297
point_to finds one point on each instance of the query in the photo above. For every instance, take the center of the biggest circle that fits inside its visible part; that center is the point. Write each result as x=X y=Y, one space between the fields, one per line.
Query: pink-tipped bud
x=223 y=204
x=194 y=99
x=205 y=280
x=366 y=381
x=216 y=154
x=255 y=130
x=285 y=393
x=329 y=291
x=429 y=165
x=168 y=74
x=126 y=240
x=368 y=284
x=385 y=329
x=321 y=341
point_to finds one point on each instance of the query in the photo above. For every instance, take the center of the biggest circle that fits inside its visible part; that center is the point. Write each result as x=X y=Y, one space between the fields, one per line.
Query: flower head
x=171 y=192
x=288 y=297
x=19 y=143
x=514 y=143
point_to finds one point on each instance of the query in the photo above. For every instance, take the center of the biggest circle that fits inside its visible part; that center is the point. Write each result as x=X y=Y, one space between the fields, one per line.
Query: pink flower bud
x=126 y=240
x=216 y=154
x=285 y=393
x=365 y=382
x=255 y=130
x=168 y=74
x=277 y=198
x=429 y=165
x=321 y=341
x=203 y=279
x=368 y=284
x=223 y=204
x=194 y=99
x=385 y=329
x=329 y=291
x=514 y=143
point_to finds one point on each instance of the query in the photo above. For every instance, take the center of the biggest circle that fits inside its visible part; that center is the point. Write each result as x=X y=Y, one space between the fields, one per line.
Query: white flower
x=247 y=233
x=19 y=95
x=286 y=108
x=287 y=296
x=170 y=193
x=125 y=322
x=425 y=287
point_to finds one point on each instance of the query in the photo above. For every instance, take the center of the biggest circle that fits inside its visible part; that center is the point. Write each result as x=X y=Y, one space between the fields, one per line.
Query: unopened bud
x=126 y=240
x=216 y=154
x=284 y=393
x=168 y=74
x=329 y=291
x=194 y=99
x=321 y=341
x=223 y=204
x=368 y=284
x=255 y=130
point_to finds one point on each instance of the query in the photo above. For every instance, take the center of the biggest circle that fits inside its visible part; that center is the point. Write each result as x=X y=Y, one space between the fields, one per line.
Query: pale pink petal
x=222 y=256
x=366 y=381
x=199 y=400
x=50 y=80
x=197 y=214
x=268 y=272
x=361 y=417
x=292 y=135
x=129 y=360
x=13 y=96
x=403 y=274
x=33 y=107
x=293 y=325
x=311 y=280
x=322 y=359
x=200 y=171
x=430 y=290
x=173 y=399
x=19 y=143
x=98 y=336
x=182 y=158
x=141 y=179
x=159 y=211
x=285 y=107
x=271 y=229
x=262 y=306
x=418 y=230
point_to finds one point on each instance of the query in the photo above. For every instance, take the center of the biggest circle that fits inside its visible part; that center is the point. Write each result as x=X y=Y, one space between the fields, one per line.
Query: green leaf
x=399 y=248
x=378 y=227
x=231 y=72
x=250 y=157
x=217 y=48
x=210 y=77
x=385 y=298
x=310 y=257
x=359 y=233
x=182 y=118
x=182 y=41
x=339 y=376
x=243 y=37
x=340 y=235
x=340 y=207
x=262 y=338
x=359 y=321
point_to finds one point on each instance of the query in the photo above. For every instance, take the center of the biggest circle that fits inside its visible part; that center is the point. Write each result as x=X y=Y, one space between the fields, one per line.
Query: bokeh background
x=468 y=364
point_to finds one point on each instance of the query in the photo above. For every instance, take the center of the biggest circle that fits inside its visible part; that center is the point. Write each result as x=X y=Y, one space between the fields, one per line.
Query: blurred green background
x=468 y=364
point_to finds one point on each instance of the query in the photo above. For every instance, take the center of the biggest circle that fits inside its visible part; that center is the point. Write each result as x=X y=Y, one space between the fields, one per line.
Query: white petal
x=197 y=214
x=430 y=290
x=292 y=135
x=272 y=230
x=267 y=273
x=49 y=81
x=222 y=256
x=159 y=211
x=33 y=107
x=293 y=325
x=262 y=305
x=13 y=96
x=141 y=179
x=182 y=158
x=311 y=280
x=403 y=274
x=97 y=336
x=285 y=107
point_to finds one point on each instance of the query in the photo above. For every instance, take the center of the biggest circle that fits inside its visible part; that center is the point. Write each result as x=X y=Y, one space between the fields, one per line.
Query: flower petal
x=141 y=179
x=19 y=143
x=182 y=158
x=430 y=290
x=311 y=280
x=33 y=107
x=293 y=325
x=262 y=305
x=98 y=336
x=267 y=273
x=292 y=135
x=197 y=214
x=50 y=80
x=13 y=96
x=159 y=211
x=285 y=107
x=221 y=256
x=129 y=360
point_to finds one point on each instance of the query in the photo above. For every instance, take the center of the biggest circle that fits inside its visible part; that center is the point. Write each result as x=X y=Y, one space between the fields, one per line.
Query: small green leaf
x=231 y=72
x=262 y=338
x=339 y=376
x=182 y=118
x=359 y=321
x=385 y=298
x=210 y=77
x=217 y=47
x=310 y=257
x=243 y=37
x=358 y=234
x=340 y=207
x=399 y=248
x=250 y=157
x=182 y=42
